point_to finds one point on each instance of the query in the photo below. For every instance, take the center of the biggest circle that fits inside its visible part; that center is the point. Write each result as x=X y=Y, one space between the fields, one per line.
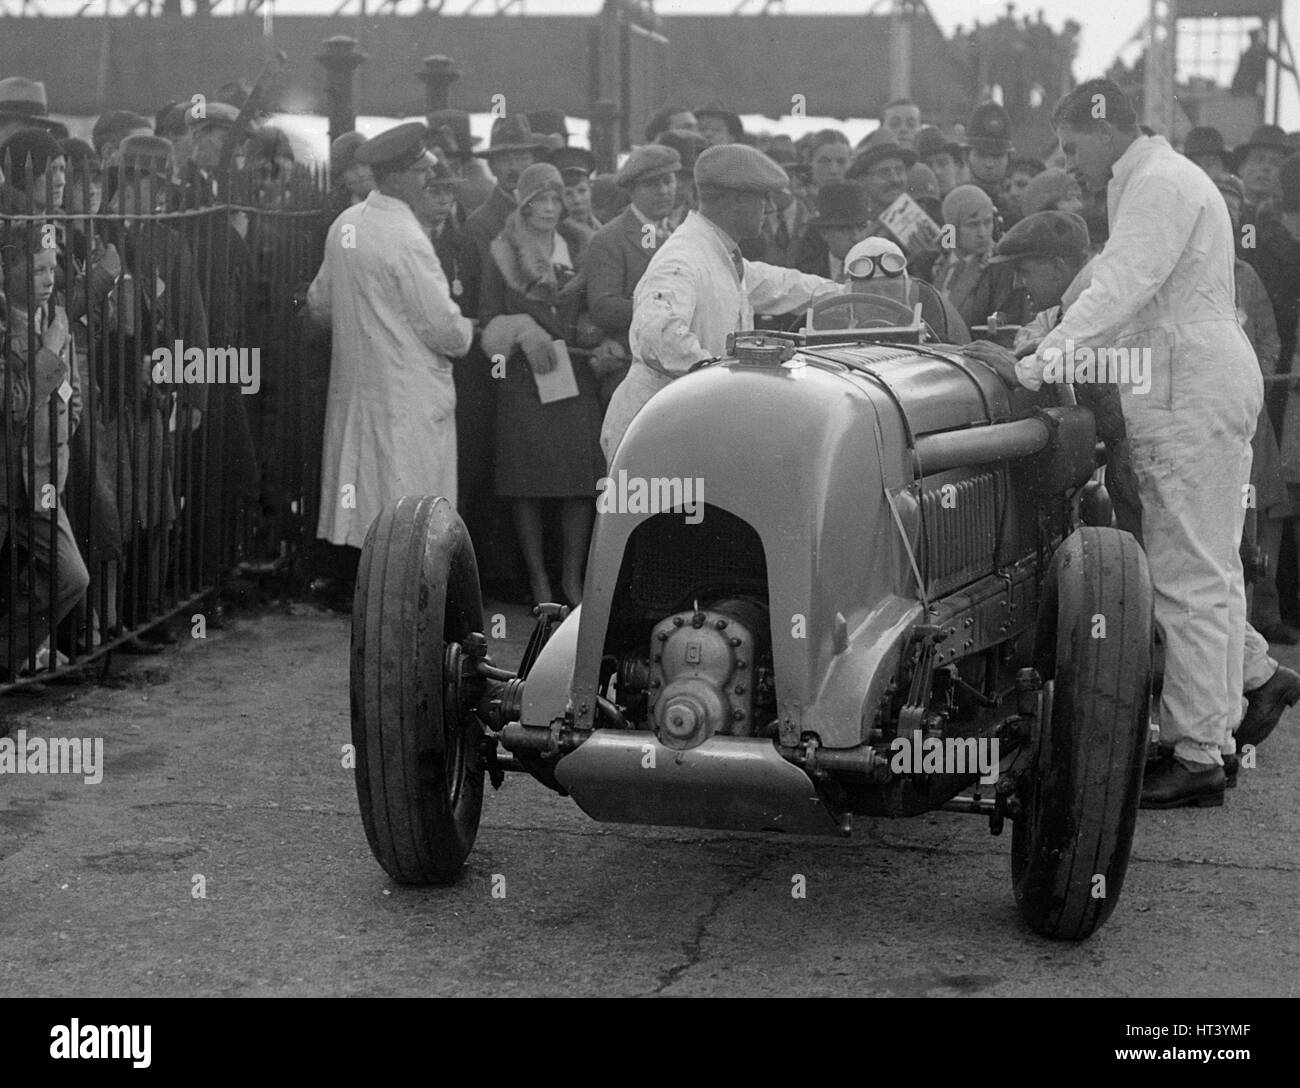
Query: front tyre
x=1079 y=801
x=418 y=772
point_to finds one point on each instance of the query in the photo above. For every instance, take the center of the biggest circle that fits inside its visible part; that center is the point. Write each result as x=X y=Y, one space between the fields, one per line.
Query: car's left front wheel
x=418 y=771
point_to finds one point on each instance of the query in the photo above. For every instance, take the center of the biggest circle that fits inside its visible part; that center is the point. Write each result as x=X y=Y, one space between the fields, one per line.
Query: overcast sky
x=1107 y=25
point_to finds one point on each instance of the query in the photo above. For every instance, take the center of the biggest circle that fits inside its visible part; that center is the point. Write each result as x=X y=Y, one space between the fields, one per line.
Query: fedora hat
x=735 y=126
x=449 y=133
x=549 y=125
x=512 y=133
x=1265 y=137
x=840 y=204
x=25 y=99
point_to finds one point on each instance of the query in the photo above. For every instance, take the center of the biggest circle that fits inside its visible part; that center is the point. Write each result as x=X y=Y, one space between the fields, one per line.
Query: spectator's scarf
x=524 y=258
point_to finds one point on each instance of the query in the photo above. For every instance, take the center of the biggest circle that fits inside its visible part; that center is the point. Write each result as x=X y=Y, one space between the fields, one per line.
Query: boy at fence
x=34 y=449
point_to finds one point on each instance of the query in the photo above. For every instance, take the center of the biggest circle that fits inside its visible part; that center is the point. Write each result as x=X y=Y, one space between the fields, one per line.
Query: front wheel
x=1079 y=801
x=418 y=771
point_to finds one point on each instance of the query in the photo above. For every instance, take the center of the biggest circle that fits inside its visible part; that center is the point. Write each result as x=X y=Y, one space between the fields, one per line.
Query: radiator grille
x=961 y=523
x=672 y=561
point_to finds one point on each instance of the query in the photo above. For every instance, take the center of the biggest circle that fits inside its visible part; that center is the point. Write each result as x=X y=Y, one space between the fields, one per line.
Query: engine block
x=702 y=672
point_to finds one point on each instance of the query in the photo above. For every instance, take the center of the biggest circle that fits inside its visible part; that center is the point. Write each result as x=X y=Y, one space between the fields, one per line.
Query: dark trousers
x=38 y=600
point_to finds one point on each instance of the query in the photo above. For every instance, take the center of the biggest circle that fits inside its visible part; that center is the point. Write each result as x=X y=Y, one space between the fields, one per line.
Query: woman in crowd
x=40 y=378
x=531 y=296
x=968 y=216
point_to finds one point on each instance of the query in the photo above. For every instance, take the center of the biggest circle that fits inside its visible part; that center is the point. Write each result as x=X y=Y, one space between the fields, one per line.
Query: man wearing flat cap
x=112 y=128
x=207 y=133
x=1039 y=263
x=620 y=252
x=698 y=288
x=390 y=425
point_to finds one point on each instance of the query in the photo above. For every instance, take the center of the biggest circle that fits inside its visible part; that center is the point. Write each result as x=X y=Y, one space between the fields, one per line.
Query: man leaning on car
x=1163 y=285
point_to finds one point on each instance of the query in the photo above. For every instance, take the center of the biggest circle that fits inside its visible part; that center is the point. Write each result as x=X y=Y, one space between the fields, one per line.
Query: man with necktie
x=620 y=252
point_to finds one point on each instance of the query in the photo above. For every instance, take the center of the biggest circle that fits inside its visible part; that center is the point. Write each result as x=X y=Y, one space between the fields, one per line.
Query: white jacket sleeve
x=1149 y=236
x=426 y=301
x=776 y=290
x=663 y=308
x=318 y=294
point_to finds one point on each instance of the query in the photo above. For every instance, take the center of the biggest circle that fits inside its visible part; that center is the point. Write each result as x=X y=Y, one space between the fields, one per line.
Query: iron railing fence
x=162 y=399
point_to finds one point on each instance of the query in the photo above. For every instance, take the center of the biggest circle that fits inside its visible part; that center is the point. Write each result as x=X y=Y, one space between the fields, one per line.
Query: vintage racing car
x=882 y=574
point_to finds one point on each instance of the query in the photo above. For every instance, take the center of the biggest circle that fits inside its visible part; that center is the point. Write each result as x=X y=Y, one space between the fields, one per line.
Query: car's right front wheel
x=1079 y=800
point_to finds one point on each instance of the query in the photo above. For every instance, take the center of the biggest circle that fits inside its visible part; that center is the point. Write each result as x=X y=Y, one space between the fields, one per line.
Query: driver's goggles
x=887 y=264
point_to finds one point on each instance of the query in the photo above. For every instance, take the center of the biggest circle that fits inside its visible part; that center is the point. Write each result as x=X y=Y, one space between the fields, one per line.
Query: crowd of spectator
x=568 y=248
x=100 y=458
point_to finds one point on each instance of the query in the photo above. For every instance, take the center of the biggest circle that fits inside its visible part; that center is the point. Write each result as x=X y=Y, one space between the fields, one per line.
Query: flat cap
x=399 y=148
x=146 y=154
x=213 y=113
x=884 y=149
x=648 y=161
x=739 y=167
x=1044 y=234
x=551 y=125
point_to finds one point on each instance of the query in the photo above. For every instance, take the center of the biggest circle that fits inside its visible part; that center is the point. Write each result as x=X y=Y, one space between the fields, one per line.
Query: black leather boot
x=1171 y=785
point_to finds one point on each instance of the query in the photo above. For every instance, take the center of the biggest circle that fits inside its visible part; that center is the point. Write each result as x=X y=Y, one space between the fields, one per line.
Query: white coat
x=684 y=306
x=1164 y=283
x=390 y=424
